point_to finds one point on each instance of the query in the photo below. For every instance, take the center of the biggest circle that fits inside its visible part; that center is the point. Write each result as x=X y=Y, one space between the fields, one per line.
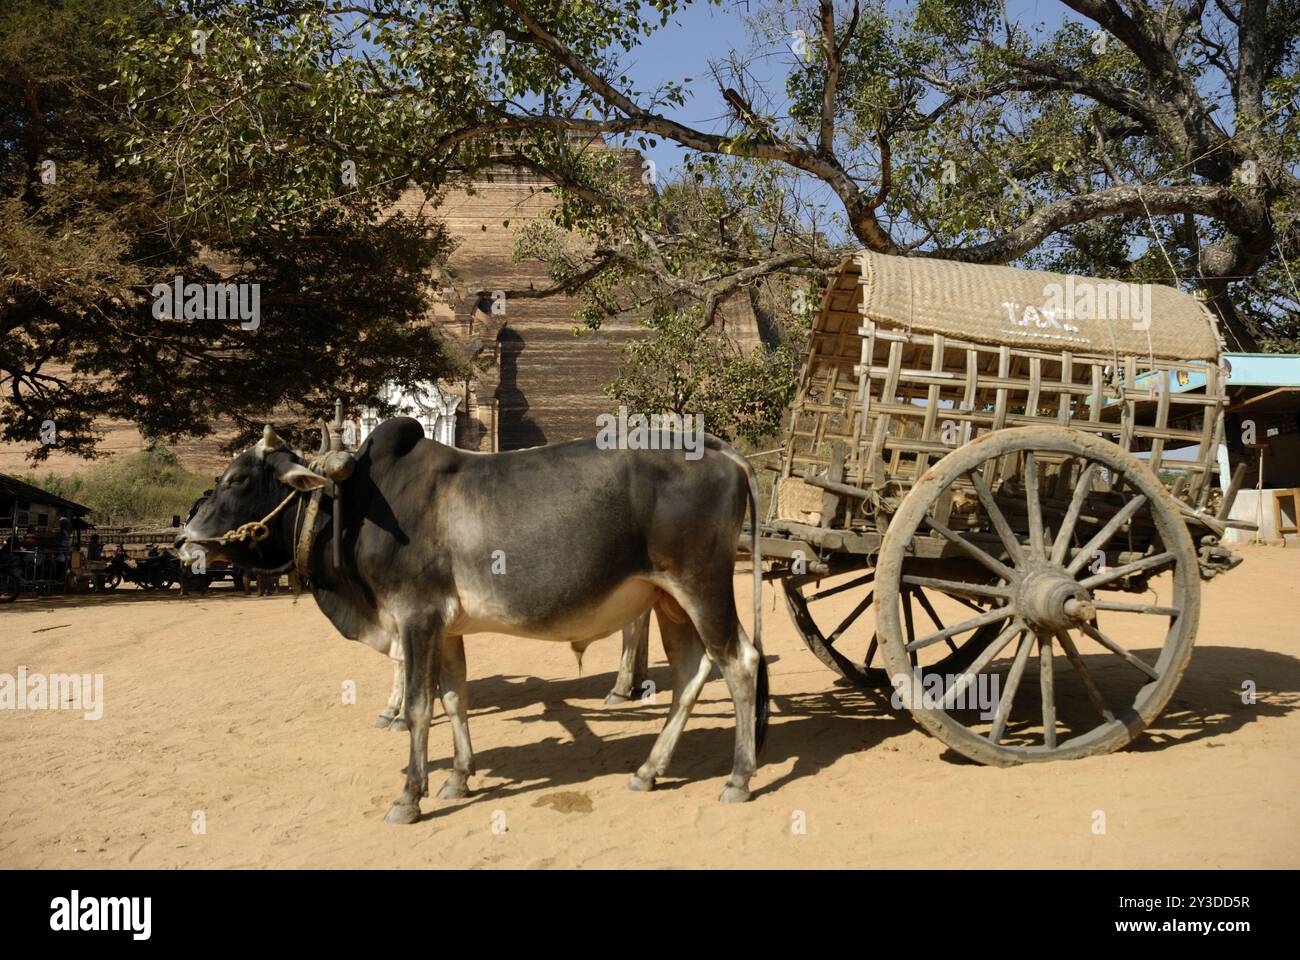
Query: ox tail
x=755 y=553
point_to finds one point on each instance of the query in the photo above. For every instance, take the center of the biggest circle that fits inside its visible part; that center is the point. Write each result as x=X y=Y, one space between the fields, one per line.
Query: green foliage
x=146 y=488
x=678 y=369
x=315 y=85
x=955 y=128
x=344 y=288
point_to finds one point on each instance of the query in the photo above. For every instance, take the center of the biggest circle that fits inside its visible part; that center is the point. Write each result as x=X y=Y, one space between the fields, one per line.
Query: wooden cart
x=980 y=462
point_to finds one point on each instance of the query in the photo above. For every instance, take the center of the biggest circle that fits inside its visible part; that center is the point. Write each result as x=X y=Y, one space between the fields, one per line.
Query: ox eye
x=236 y=481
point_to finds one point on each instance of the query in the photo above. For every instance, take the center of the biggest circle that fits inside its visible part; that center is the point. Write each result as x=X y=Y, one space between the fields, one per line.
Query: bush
x=682 y=369
x=143 y=489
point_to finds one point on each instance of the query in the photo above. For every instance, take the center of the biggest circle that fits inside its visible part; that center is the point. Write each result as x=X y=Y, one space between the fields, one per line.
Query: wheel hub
x=1051 y=600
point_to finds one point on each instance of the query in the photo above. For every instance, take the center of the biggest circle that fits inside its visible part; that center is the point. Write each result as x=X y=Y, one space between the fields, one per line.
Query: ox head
x=253 y=485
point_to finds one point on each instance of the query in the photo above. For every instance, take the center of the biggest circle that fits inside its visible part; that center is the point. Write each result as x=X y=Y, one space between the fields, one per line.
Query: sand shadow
x=1223 y=690
x=812 y=731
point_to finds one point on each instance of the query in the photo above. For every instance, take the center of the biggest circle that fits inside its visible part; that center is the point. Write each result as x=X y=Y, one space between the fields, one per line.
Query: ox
x=566 y=542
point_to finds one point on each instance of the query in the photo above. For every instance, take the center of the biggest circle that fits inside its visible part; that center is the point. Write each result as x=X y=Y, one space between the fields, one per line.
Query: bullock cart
x=998 y=494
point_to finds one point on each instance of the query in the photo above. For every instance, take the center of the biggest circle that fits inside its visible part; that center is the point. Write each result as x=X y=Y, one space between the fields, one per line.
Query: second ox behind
x=567 y=542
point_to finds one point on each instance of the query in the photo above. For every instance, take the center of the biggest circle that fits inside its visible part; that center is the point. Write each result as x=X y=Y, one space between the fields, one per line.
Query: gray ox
x=566 y=542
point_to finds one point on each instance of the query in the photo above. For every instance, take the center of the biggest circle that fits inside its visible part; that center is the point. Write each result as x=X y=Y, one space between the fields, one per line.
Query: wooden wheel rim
x=1175 y=650
x=814 y=637
x=870 y=674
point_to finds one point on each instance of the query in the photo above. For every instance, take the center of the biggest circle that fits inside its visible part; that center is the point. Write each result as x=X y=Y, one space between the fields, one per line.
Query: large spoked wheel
x=842 y=632
x=1062 y=504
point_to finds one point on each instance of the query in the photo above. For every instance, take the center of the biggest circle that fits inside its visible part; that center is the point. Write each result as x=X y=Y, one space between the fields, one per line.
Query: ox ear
x=300 y=478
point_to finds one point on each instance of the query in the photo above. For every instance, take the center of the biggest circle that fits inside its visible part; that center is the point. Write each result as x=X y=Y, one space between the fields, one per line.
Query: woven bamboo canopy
x=1028 y=309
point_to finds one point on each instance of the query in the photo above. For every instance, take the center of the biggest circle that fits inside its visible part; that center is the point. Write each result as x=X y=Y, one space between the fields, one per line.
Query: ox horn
x=270 y=440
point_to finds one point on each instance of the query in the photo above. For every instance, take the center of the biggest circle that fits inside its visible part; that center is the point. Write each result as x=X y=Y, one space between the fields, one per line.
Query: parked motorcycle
x=150 y=573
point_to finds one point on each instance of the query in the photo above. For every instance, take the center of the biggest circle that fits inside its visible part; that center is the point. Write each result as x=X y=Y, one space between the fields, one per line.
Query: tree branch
x=861 y=214
x=1210 y=201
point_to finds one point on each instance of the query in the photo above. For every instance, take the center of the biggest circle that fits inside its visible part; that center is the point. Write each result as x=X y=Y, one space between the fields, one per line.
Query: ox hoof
x=383 y=721
x=641 y=784
x=399 y=724
x=403 y=812
x=454 y=789
x=735 y=794
x=614 y=699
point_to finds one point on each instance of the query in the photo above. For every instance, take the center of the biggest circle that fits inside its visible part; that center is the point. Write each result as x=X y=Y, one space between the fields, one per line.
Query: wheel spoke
x=802 y=580
x=831 y=591
x=989 y=616
x=1147 y=608
x=970 y=549
x=999 y=519
x=849 y=620
x=956 y=588
x=871 y=650
x=1146 y=563
x=1066 y=531
x=1076 y=661
x=1035 y=506
x=1102 y=537
x=1047 y=689
x=969 y=603
x=1003 y=712
x=1096 y=634
x=911 y=627
x=924 y=601
x=980 y=663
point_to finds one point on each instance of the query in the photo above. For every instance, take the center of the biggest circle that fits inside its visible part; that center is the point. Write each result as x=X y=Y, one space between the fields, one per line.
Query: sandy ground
x=233 y=707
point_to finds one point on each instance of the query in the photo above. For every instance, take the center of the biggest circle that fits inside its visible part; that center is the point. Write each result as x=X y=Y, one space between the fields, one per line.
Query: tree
x=1139 y=140
x=91 y=239
x=677 y=369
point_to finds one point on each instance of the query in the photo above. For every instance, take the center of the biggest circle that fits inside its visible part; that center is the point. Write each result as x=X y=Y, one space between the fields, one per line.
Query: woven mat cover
x=1051 y=311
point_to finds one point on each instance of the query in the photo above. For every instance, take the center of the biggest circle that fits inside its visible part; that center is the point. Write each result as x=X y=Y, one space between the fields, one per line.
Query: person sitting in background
x=94 y=549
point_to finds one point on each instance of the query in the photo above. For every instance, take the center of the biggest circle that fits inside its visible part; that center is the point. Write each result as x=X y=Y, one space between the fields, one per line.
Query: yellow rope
x=254 y=530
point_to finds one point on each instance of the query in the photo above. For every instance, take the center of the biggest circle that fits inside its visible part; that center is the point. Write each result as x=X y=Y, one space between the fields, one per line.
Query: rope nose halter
x=255 y=531
x=334 y=463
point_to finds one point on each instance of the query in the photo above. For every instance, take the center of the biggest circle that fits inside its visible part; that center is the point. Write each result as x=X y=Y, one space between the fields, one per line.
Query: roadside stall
x=40 y=539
